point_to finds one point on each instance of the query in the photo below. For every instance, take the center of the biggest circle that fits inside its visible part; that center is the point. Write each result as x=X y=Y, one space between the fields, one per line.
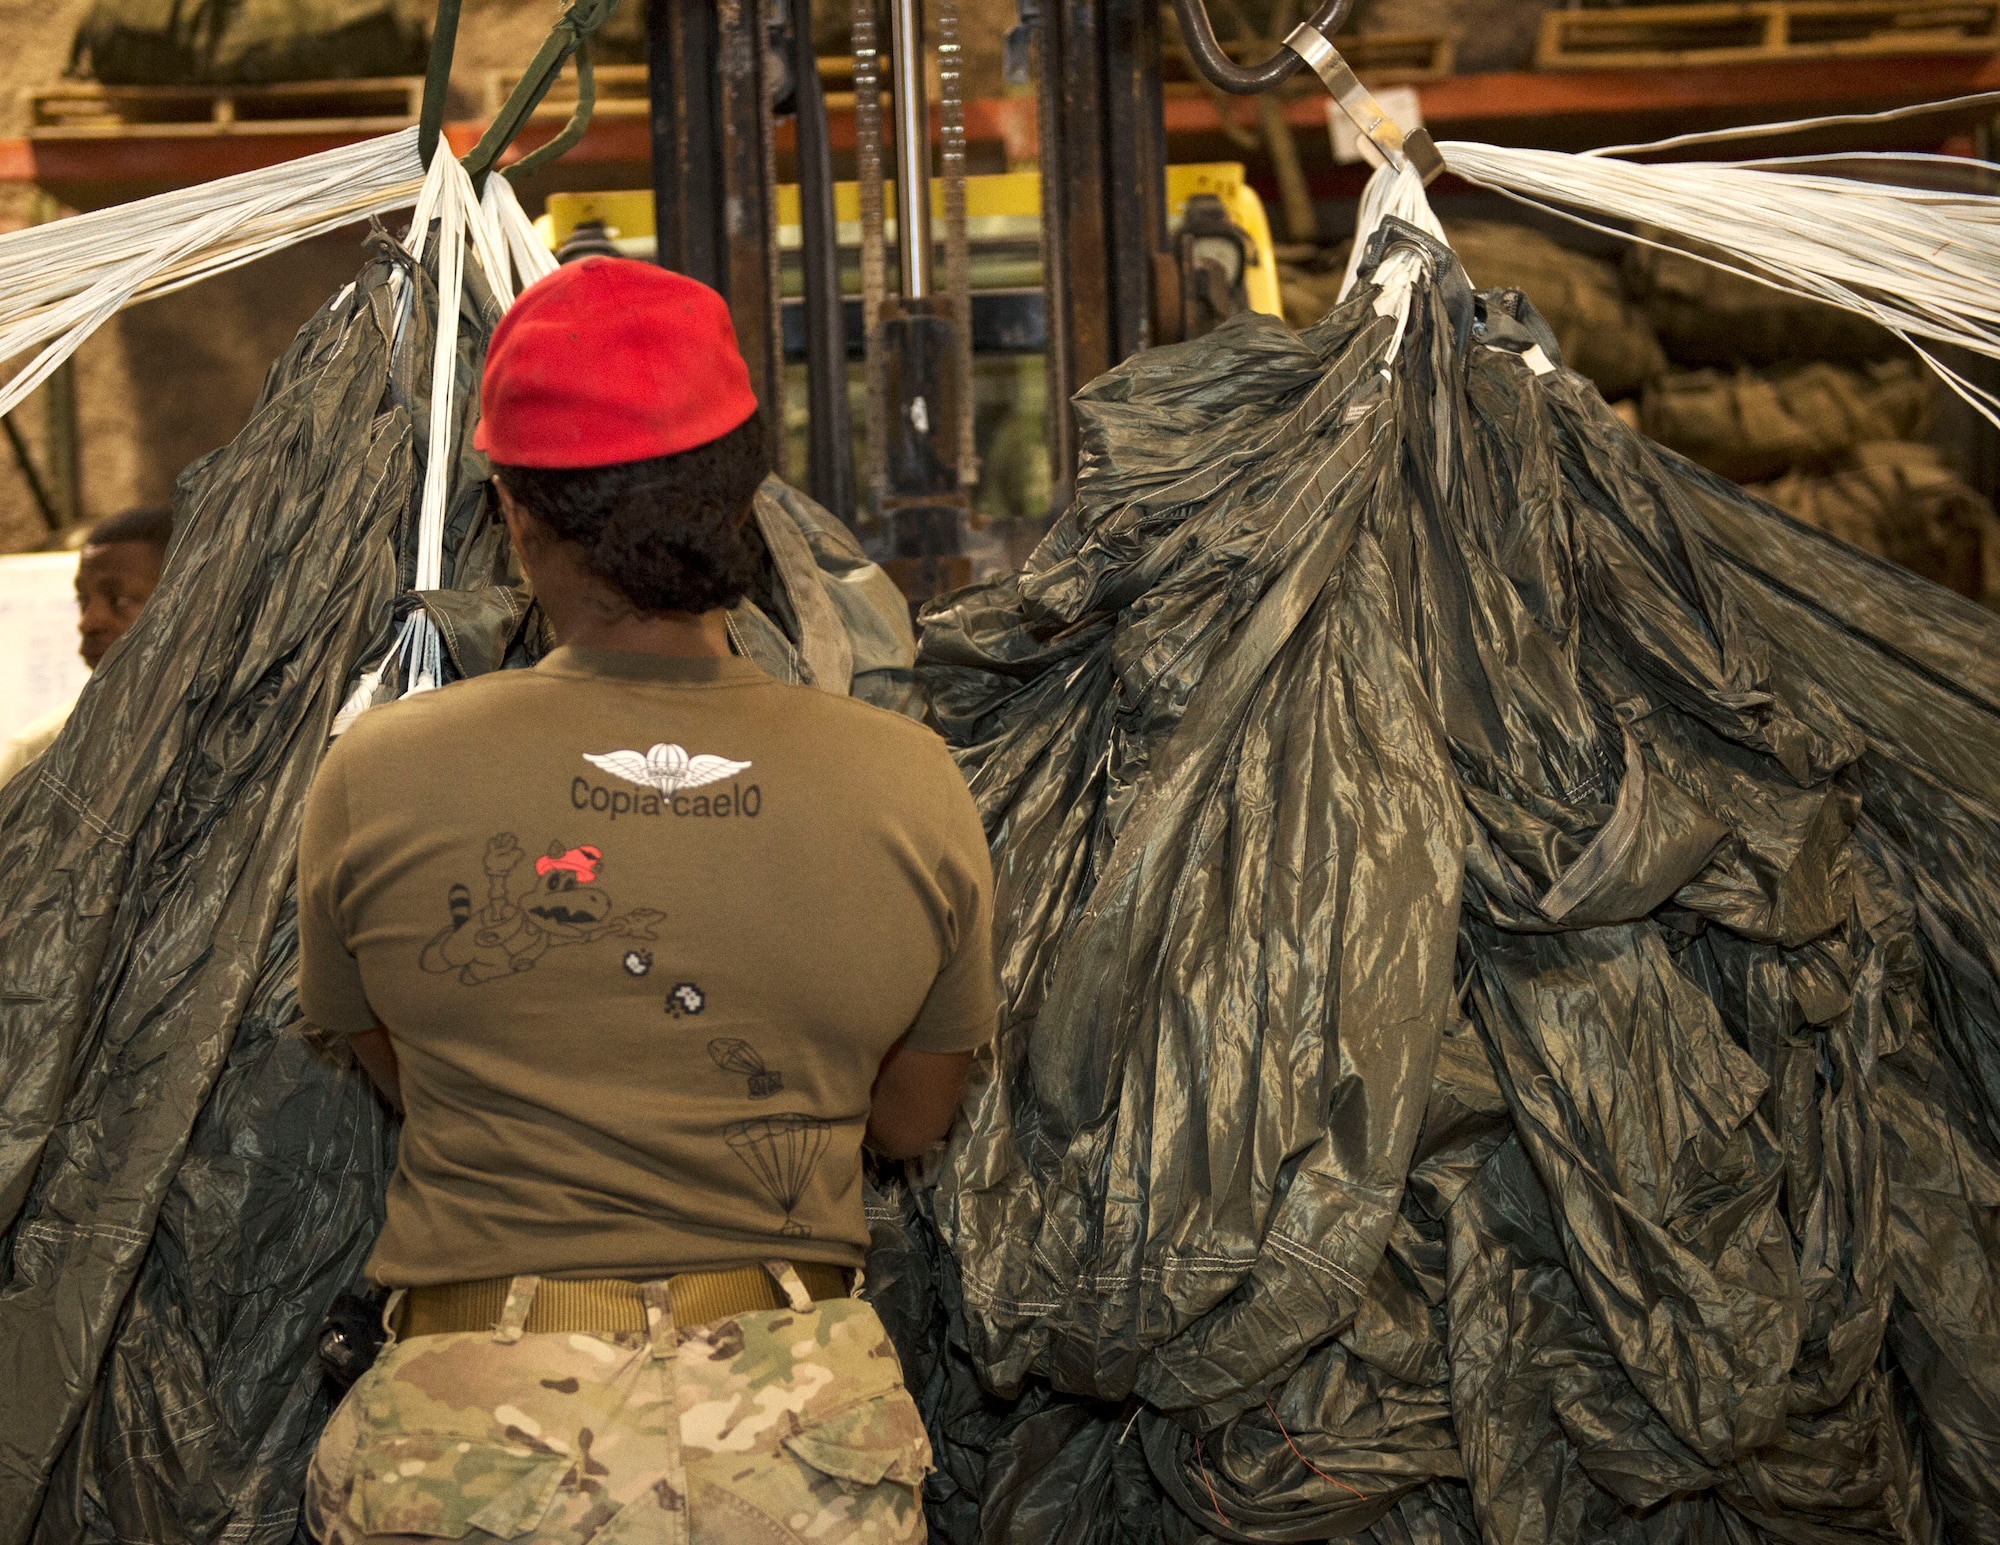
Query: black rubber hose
x=1232 y=77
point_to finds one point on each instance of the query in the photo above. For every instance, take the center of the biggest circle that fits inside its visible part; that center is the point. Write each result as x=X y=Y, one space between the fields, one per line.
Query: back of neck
x=695 y=635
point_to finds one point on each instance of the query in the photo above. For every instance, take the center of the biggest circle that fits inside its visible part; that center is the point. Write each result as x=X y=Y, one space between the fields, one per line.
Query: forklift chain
x=874 y=276
x=957 y=254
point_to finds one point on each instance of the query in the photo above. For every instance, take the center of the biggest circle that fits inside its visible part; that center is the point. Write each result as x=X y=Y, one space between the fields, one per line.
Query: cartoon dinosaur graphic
x=529 y=911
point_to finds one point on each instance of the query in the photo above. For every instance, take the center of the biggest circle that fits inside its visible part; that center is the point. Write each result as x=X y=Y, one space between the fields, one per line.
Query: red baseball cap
x=608 y=360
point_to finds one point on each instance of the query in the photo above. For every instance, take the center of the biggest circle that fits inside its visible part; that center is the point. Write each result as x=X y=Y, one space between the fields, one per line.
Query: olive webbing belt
x=606 y=1303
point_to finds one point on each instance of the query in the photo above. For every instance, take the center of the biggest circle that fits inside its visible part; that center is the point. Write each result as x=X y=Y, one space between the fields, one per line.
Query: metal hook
x=579 y=120
x=1199 y=35
x=1414 y=148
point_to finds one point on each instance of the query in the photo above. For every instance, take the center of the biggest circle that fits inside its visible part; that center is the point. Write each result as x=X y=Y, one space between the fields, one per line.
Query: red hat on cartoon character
x=607 y=360
x=581 y=862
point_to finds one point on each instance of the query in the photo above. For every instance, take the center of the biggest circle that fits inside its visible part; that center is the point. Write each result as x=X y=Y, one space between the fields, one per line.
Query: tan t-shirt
x=31 y=740
x=641 y=931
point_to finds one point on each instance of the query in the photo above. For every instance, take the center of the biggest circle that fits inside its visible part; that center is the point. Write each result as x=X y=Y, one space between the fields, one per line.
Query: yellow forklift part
x=1225 y=180
x=1004 y=206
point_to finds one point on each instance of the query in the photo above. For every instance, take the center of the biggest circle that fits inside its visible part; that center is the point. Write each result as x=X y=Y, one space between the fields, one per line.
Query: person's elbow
x=895 y=1141
x=897 y=1136
x=916 y=1096
x=376 y=1055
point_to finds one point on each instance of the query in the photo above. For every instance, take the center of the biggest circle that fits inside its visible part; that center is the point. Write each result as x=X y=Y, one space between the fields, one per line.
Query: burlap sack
x=1752 y=426
x=1899 y=501
x=243 y=42
x=1310 y=290
x=1707 y=317
x=1602 y=334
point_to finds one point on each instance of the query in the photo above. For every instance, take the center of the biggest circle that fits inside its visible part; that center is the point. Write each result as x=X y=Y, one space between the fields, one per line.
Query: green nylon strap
x=570 y=35
x=437 y=78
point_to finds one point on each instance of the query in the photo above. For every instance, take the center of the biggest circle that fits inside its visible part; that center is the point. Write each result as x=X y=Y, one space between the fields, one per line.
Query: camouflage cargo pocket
x=880 y=1439
x=854 y=1475
x=437 y=1486
x=796 y=1427
x=463 y=1437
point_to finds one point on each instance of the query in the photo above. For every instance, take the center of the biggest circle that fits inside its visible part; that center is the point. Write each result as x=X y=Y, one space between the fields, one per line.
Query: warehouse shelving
x=1559 y=110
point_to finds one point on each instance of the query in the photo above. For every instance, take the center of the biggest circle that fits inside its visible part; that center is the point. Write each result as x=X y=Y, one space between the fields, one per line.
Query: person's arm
x=918 y=1087
x=377 y=1055
x=331 y=991
x=916 y=1095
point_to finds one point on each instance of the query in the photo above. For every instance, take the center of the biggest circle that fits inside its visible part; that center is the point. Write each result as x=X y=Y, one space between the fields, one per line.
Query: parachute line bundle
x=1925 y=264
x=61 y=281
x=504 y=245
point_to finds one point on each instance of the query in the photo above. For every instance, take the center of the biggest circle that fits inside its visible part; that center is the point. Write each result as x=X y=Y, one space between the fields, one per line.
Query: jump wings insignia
x=667 y=768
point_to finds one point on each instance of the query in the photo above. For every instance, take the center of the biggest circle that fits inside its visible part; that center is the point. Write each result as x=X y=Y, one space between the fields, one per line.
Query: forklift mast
x=722 y=72
x=1103 y=154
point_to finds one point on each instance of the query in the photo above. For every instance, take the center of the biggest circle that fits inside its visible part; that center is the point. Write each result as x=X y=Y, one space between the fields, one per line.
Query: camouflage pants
x=785 y=1425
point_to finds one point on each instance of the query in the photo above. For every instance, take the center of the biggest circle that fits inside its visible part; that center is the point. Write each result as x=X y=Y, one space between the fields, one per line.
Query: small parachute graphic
x=734 y=1056
x=782 y=1152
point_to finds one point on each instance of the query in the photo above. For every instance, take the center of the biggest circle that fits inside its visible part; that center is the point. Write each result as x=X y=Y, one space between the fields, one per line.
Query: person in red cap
x=646 y=945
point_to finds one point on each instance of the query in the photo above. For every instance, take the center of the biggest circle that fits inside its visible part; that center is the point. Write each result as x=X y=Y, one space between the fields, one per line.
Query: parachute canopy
x=1499 y=935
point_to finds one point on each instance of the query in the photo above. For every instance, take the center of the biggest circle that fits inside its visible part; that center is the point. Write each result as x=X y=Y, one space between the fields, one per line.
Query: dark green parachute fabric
x=1499 y=934
x=188 y=1179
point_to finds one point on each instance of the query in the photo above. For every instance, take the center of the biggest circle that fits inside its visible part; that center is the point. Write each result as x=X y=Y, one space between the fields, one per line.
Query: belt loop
x=514 y=1315
x=392 y=1316
x=786 y=1275
x=672 y=1488
x=660 y=1319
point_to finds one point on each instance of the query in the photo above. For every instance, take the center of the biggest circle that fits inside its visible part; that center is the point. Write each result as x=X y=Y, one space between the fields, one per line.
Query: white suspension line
x=532 y=260
x=1924 y=265
x=1985 y=103
x=1388 y=193
x=60 y=281
x=502 y=241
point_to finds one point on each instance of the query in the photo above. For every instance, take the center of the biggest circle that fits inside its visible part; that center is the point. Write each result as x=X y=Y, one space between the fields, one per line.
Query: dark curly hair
x=667 y=533
x=152 y=524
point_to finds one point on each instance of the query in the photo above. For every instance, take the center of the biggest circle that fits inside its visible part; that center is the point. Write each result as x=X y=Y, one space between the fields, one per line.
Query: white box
x=40 y=668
